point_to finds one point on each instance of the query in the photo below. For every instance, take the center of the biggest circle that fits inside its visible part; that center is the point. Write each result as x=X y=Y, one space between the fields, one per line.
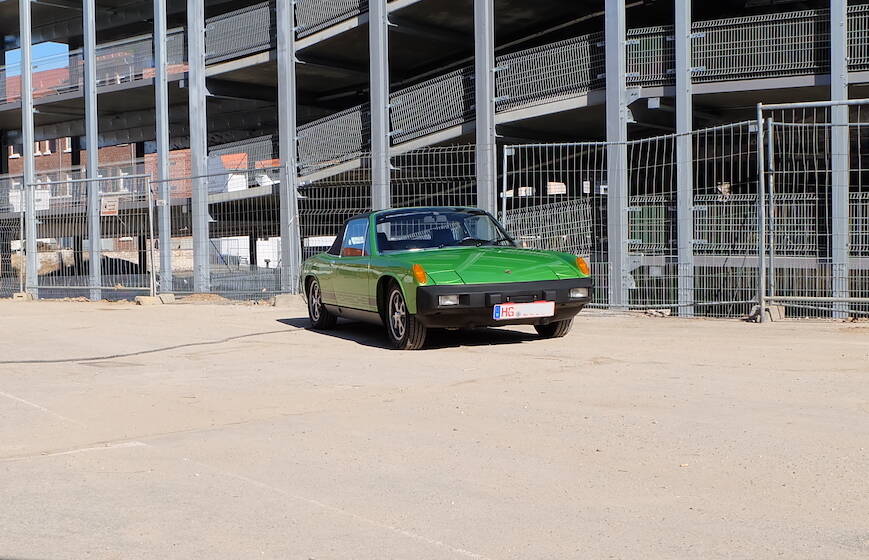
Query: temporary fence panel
x=801 y=190
x=554 y=198
x=725 y=220
x=63 y=242
x=12 y=268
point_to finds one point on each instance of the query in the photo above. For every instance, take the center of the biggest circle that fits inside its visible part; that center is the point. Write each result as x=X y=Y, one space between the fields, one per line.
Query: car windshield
x=436 y=229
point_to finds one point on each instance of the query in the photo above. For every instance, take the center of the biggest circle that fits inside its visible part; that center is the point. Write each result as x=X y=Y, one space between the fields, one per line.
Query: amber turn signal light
x=582 y=265
x=419 y=274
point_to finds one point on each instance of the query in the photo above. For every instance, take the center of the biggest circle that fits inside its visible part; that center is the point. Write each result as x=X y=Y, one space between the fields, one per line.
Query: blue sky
x=40 y=51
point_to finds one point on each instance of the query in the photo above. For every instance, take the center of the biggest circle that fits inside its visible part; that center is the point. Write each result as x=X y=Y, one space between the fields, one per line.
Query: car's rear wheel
x=317 y=312
x=557 y=329
x=404 y=330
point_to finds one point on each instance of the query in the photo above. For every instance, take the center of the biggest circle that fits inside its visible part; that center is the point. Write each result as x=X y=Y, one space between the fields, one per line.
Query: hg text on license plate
x=512 y=311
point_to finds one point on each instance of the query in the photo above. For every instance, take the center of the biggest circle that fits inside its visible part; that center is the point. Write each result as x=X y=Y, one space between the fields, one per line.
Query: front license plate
x=512 y=311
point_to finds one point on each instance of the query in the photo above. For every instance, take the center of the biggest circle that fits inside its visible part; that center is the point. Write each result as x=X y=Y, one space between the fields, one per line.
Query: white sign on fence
x=41 y=199
x=109 y=205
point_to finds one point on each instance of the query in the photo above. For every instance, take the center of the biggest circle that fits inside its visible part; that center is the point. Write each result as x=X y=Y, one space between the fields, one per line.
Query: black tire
x=405 y=332
x=554 y=330
x=320 y=317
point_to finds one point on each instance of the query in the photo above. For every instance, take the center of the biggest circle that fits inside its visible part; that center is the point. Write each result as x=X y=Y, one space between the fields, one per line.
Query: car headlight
x=448 y=301
x=578 y=293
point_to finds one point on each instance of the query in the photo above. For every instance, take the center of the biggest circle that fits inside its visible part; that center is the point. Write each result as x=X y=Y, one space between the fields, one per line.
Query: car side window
x=355 y=243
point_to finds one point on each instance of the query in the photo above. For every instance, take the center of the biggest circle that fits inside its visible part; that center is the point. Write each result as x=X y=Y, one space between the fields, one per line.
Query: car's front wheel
x=320 y=317
x=557 y=329
x=404 y=330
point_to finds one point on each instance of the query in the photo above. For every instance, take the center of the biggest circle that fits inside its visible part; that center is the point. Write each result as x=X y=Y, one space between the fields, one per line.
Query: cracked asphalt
x=232 y=431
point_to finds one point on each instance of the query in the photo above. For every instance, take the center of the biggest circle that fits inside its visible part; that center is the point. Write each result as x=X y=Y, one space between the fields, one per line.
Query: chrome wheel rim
x=397 y=315
x=314 y=301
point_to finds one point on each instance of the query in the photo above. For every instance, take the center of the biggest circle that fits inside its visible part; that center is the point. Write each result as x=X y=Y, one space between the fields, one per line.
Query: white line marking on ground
x=122 y=445
x=334 y=509
x=42 y=408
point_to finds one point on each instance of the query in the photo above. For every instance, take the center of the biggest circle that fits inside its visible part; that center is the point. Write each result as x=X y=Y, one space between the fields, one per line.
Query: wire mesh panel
x=803 y=186
x=771 y=45
x=725 y=220
x=325 y=205
x=554 y=198
x=537 y=75
x=314 y=15
x=12 y=268
x=241 y=32
x=435 y=177
x=433 y=105
x=334 y=139
x=652 y=223
x=244 y=232
x=651 y=56
x=63 y=243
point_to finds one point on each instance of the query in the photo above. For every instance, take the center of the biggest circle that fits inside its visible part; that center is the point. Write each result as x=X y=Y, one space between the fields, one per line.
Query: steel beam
x=840 y=187
x=617 y=154
x=32 y=265
x=291 y=244
x=197 y=97
x=484 y=78
x=93 y=151
x=378 y=37
x=684 y=158
x=161 y=111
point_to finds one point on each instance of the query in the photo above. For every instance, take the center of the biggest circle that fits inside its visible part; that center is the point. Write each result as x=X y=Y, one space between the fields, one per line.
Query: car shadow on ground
x=375 y=337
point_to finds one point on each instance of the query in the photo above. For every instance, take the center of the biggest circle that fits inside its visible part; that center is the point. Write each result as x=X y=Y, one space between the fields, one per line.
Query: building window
x=15 y=151
x=36 y=150
x=67 y=145
x=49 y=147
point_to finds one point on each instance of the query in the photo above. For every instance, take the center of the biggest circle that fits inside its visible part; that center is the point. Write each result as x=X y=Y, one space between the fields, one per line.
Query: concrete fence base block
x=22 y=296
x=147 y=300
x=285 y=300
x=773 y=313
x=166 y=298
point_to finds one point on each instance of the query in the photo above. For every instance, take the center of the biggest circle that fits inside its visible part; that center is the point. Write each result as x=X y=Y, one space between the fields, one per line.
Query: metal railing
x=315 y=15
x=241 y=32
x=116 y=63
x=766 y=46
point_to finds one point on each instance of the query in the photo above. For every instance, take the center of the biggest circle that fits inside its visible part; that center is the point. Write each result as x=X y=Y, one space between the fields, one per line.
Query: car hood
x=485 y=265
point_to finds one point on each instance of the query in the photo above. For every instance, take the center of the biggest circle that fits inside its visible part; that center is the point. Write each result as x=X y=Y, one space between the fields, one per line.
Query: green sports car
x=415 y=269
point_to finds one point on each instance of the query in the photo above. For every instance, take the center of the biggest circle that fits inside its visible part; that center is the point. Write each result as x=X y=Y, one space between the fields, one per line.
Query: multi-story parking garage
x=228 y=109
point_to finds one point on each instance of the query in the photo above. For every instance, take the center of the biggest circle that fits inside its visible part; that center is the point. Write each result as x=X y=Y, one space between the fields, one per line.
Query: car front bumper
x=477 y=302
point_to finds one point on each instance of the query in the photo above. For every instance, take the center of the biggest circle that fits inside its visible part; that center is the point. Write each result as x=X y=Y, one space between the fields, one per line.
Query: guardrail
x=767 y=46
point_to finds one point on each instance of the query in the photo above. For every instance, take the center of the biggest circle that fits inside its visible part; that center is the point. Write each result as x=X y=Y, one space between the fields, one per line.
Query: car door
x=350 y=277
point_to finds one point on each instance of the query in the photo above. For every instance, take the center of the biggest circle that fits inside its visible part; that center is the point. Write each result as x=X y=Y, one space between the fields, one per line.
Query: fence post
x=378 y=36
x=27 y=186
x=291 y=245
x=840 y=185
x=197 y=96
x=164 y=193
x=684 y=159
x=617 y=154
x=761 y=216
x=93 y=148
x=484 y=78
